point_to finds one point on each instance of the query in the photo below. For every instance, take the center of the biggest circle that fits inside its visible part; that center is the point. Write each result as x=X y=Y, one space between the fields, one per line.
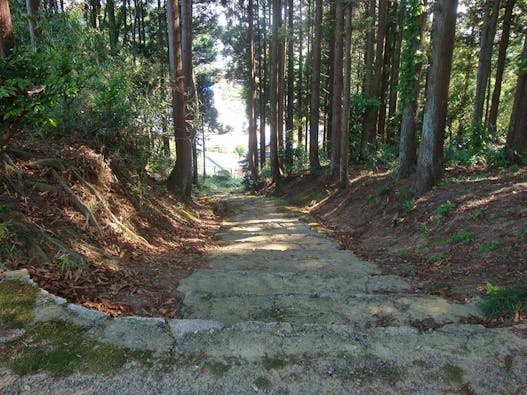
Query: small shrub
x=487 y=247
x=504 y=302
x=435 y=258
x=410 y=270
x=402 y=253
x=407 y=205
x=476 y=214
x=514 y=169
x=384 y=190
x=465 y=236
x=445 y=209
x=424 y=228
x=524 y=231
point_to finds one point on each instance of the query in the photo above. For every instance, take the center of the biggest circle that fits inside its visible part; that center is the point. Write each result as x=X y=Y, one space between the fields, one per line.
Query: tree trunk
x=415 y=23
x=314 y=111
x=516 y=145
x=392 y=128
x=485 y=59
x=7 y=36
x=262 y=60
x=344 y=133
x=281 y=82
x=372 y=110
x=32 y=11
x=112 y=26
x=274 y=97
x=289 y=132
x=336 y=110
x=180 y=178
x=430 y=156
x=300 y=81
x=500 y=67
x=253 y=143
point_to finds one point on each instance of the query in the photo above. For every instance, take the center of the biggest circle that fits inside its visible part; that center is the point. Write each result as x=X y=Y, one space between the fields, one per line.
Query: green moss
x=273 y=363
x=17 y=301
x=452 y=374
x=217 y=368
x=262 y=383
x=464 y=237
x=62 y=348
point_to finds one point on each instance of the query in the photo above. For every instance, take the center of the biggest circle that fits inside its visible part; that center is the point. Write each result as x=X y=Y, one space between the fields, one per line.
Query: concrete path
x=283 y=310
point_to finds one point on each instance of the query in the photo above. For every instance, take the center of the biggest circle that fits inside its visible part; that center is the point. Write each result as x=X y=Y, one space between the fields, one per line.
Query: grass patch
x=488 y=247
x=445 y=209
x=504 y=302
x=523 y=232
x=17 y=301
x=465 y=236
x=62 y=348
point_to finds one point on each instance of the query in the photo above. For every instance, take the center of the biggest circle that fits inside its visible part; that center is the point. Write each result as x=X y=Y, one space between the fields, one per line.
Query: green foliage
x=446 y=208
x=504 y=302
x=435 y=258
x=402 y=253
x=407 y=205
x=17 y=301
x=465 y=236
x=476 y=214
x=410 y=270
x=491 y=246
x=423 y=227
x=524 y=231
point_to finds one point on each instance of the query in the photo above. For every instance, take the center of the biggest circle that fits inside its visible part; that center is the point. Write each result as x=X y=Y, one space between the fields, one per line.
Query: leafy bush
x=504 y=302
x=445 y=209
x=488 y=247
x=465 y=236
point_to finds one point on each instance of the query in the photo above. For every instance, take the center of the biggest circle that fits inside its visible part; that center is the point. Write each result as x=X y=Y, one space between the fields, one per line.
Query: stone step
x=227 y=282
x=332 y=263
x=359 y=310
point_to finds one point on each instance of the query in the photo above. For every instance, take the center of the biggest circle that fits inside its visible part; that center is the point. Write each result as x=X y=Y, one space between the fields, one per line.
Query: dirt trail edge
x=283 y=310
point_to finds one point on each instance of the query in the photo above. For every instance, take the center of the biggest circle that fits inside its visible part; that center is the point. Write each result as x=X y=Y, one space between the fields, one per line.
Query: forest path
x=283 y=310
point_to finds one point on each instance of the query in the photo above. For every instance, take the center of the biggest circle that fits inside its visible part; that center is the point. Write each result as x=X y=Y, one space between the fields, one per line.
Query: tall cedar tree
x=7 y=36
x=314 y=111
x=409 y=84
x=179 y=181
x=253 y=143
x=500 y=66
x=516 y=146
x=336 y=111
x=488 y=32
x=274 y=96
x=430 y=156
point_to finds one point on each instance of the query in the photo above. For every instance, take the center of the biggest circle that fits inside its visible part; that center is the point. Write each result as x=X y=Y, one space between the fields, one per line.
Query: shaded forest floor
x=96 y=233
x=467 y=232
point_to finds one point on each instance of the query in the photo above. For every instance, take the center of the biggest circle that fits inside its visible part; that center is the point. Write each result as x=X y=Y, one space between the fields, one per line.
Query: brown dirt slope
x=469 y=231
x=97 y=234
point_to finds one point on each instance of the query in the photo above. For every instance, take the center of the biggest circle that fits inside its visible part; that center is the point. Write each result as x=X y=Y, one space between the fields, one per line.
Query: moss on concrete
x=17 y=301
x=62 y=348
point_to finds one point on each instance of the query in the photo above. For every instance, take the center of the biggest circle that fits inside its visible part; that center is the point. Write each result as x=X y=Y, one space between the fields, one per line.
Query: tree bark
x=516 y=145
x=253 y=143
x=180 y=178
x=370 y=117
x=262 y=60
x=289 y=132
x=500 y=66
x=7 y=36
x=314 y=111
x=485 y=58
x=430 y=156
x=32 y=11
x=344 y=134
x=410 y=77
x=336 y=110
x=274 y=97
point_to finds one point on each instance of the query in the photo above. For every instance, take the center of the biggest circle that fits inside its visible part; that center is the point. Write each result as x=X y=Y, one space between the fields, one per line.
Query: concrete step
x=227 y=282
x=360 y=310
